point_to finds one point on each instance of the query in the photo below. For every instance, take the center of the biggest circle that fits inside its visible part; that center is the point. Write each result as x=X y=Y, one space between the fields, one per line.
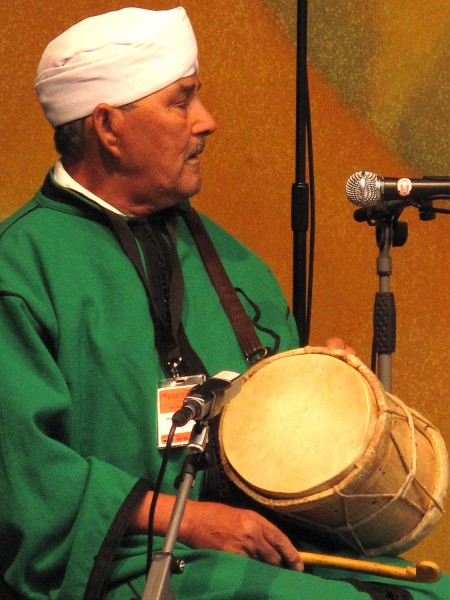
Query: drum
x=313 y=435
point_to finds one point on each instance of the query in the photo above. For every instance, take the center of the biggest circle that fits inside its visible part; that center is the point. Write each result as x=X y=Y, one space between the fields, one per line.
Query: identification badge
x=171 y=395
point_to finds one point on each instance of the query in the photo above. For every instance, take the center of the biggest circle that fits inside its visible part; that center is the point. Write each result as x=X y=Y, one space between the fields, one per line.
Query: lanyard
x=159 y=268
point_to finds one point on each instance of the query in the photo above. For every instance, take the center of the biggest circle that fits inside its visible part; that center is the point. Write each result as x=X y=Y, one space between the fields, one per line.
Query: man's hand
x=245 y=532
x=215 y=526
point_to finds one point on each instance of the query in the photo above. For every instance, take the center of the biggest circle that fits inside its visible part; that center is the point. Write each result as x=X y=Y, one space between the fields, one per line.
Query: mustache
x=197 y=149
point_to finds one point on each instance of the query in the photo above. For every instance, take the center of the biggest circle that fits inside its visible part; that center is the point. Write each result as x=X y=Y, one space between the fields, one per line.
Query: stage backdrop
x=379 y=84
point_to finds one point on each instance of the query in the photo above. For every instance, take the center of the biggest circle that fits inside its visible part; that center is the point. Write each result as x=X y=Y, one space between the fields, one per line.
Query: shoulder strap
x=240 y=321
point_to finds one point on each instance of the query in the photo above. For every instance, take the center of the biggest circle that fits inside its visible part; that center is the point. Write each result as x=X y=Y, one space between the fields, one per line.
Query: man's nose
x=204 y=122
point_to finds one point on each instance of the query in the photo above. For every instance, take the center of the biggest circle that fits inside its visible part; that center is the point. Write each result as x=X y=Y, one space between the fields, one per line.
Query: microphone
x=207 y=399
x=368 y=189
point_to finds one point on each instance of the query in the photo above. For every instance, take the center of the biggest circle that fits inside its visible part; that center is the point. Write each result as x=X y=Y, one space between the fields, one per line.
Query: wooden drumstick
x=424 y=572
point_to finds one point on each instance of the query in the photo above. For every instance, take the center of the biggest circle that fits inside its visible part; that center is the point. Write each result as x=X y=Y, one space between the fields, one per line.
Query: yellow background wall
x=379 y=84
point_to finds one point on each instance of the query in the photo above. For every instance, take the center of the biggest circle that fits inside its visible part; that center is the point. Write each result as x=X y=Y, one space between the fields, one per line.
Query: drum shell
x=394 y=493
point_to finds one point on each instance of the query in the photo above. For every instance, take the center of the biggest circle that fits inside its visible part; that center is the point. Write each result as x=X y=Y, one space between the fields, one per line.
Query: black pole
x=300 y=210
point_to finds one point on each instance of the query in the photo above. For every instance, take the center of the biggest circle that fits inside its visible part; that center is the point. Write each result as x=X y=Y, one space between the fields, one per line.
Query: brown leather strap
x=239 y=319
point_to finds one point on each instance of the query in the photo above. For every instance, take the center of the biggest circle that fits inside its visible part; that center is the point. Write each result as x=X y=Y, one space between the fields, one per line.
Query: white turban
x=117 y=58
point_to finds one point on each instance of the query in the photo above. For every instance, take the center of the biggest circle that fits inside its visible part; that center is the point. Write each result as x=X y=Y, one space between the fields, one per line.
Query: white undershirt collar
x=63 y=178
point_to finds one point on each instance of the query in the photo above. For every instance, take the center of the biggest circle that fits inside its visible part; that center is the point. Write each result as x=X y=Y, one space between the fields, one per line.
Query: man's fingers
x=337 y=342
x=282 y=551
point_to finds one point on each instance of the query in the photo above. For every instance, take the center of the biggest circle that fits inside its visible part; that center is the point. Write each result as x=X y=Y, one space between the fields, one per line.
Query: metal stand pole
x=164 y=564
x=384 y=317
x=390 y=232
x=300 y=203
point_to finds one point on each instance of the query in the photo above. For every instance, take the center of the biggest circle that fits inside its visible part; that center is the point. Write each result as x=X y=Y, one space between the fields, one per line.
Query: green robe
x=79 y=374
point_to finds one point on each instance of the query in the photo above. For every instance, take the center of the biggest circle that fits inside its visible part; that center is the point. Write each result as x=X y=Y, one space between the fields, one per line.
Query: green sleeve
x=55 y=503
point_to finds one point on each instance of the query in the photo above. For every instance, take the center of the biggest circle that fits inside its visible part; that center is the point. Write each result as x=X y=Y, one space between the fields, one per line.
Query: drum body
x=313 y=435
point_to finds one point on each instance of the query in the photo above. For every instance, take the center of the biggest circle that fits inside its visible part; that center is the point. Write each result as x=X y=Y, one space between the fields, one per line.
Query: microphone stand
x=389 y=232
x=300 y=205
x=164 y=564
x=384 y=317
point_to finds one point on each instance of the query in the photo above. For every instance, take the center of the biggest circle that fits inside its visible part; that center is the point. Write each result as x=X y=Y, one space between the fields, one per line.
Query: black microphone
x=367 y=189
x=207 y=399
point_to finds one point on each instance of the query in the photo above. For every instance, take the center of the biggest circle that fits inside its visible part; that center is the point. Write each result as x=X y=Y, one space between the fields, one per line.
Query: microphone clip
x=380 y=210
x=399 y=234
x=206 y=400
x=384 y=213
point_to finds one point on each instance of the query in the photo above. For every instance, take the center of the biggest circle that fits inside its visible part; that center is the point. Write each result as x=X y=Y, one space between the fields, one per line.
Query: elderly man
x=104 y=298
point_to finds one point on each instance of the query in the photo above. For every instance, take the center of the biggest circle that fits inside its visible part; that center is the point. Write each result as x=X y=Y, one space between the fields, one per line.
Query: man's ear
x=106 y=124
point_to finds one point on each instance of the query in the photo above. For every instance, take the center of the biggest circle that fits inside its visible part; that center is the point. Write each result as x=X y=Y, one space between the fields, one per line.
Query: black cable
x=156 y=492
x=312 y=213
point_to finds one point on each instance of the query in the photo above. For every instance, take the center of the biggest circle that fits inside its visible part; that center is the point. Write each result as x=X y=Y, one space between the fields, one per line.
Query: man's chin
x=191 y=190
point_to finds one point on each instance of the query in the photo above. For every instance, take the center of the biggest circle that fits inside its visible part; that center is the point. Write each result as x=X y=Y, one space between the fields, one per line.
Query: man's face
x=162 y=136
